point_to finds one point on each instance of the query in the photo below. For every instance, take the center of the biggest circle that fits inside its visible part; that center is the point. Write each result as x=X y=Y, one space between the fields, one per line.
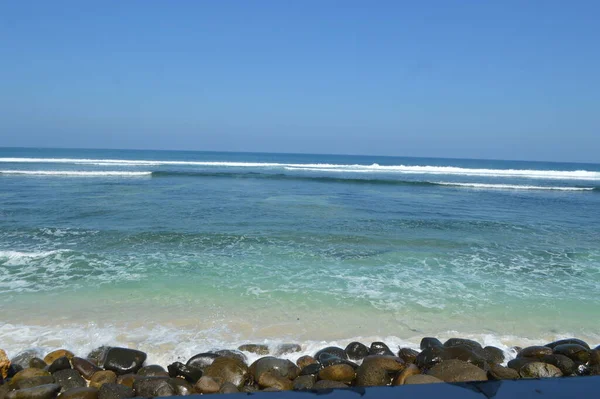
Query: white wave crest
x=73 y=173
x=18 y=256
x=513 y=187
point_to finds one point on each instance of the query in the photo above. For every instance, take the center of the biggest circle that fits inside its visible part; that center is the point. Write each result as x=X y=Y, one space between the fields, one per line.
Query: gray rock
x=123 y=360
x=69 y=379
x=457 y=371
x=493 y=355
x=115 y=391
x=154 y=386
x=539 y=370
x=332 y=350
x=23 y=358
x=304 y=382
x=497 y=372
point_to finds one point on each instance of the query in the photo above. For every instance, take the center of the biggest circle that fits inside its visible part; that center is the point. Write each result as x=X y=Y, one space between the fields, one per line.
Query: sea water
x=180 y=252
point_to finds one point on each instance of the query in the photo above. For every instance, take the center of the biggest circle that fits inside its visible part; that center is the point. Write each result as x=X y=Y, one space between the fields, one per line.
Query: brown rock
x=408 y=355
x=274 y=380
x=28 y=373
x=536 y=352
x=400 y=379
x=4 y=364
x=338 y=372
x=568 y=341
x=328 y=384
x=153 y=370
x=80 y=393
x=378 y=370
x=457 y=371
x=102 y=377
x=304 y=361
x=493 y=355
x=228 y=387
x=229 y=369
x=422 y=379
x=566 y=365
x=539 y=370
x=497 y=372
x=127 y=380
x=84 y=367
x=283 y=367
x=304 y=382
x=208 y=384
x=52 y=356
x=31 y=382
x=575 y=352
x=519 y=362
x=48 y=391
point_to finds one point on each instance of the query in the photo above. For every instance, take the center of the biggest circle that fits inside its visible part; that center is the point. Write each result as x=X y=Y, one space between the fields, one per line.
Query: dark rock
x=401 y=377
x=123 y=360
x=568 y=341
x=466 y=354
x=3 y=388
x=594 y=357
x=304 y=382
x=84 y=367
x=127 y=379
x=332 y=350
x=207 y=385
x=182 y=387
x=37 y=363
x=98 y=355
x=23 y=358
x=154 y=386
x=28 y=373
x=464 y=342
x=31 y=382
x=304 y=361
x=575 y=352
x=250 y=388
x=233 y=354
x=493 y=355
x=229 y=369
x=327 y=384
x=153 y=370
x=329 y=360
x=80 y=393
x=228 y=387
x=52 y=356
x=356 y=351
x=115 y=391
x=536 y=352
x=497 y=372
x=284 y=349
x=190 y=373
x=408 y=355
x=338 y=372
x=202 y=360
x=48 y=391
x=566 y=365
x=272 y=379
x=13 y=369
x=378 y=370
x=430 y=342
x=102 y=377
x=69 y=379
x=282 y=367
x=519 y=362
x=62 y=363
x=429 y=357
x=422 y=379
x=262 y=350
x=380 y=348
x=539 y=370
x=454 y=370
x=311 y=369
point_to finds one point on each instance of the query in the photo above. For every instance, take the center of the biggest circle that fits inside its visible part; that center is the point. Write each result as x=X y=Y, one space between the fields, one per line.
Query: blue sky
x=478 y=79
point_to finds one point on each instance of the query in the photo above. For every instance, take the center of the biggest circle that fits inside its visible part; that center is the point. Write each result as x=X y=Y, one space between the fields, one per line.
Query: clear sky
x=509 y=79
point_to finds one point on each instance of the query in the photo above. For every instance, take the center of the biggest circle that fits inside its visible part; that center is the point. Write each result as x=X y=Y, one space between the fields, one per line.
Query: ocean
x=178 y=252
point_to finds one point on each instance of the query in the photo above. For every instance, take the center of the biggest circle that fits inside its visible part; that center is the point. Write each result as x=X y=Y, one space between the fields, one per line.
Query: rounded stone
x=190 y=373
x=304 y=382
x=124 y=360
x=519 y=362
x=304 y=361
x=228 y=387
x=68 y=379
x=422 y=379
x=28 y=373
x=575 y=352
x=283 y=367
x=98 y=355
x=568 y=341
x=234 y=354
x=84 y=367
x=494 y=355
x=80 y=393
x=497 y=372
x=102 y=377
x=62 y=363
x=23 y=358
x=182 y=387
x=462 y=341
x=454 y=370
x=52 y=356
x=338 y=372
x=274 y=380
x=153 y=370
x=334 y=351
x=202 y=360
x=539 y=370
x=127 y=379
x=154 y=386
x=327 y=359
x=467 y=354
x=311 y=369
x=378 y=370
x=115 y=391
x=207 y=385
x=566 y=365
x=37 y=363
x=410 y=370
x=31 y=382
x=48 y=391
x=429 y=357
x=257 y=349
x=356 y=351
x=284 y=349
x=536 y=352
x=408 y=355
x=328 y=384
x=380 y=348
x=430 y=342
x=229 y=369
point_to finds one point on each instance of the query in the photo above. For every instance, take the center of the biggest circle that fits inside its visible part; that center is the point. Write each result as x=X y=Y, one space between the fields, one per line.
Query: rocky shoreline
x=119 y=373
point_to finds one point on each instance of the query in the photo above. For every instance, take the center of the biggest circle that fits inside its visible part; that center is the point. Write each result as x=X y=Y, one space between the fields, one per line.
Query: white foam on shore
x=356 y=168
x=512 y=187
x=17 y=255
x=76 y=173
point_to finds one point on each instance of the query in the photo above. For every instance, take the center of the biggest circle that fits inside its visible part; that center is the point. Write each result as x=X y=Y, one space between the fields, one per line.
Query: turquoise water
x=159 y=249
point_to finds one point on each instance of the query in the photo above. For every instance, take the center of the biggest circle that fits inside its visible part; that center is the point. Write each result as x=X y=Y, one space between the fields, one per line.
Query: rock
x=228 y=387
x=154 y=386
x=123 y=360
x=327 y=384
x=48 y=391
x=378 y=370
x=4 y=364
x=429 y=357
x=380 y=348
x=430 y=342
x=454 y=370
x=62 y=363
x=271 y=389
x=234 y=354
x=127 y=379
x=332 y=350
x=422 y=379
x=28 y=373
x=37 y=363
x=52 y=356
x=182 y=387
x=568 y=341
x=271 y=379
x=115 y=391
x=539 y=370
x=282 y=367
x=3 y=389
x=338 y=372
x=400 y=379
x=304 y=361
x=466 y=354
x=311 y=369
x=408 y=355
x=566 y=365
x=80 y=393
x=68 y=379
x=102 y=377
x=190 y=373
x=464 y=342
x=98 y=355
x=202 y=360
x=537 y=352
x=594 y=357
x=519 y=362
x=497 y=372
x=84 y=367
x=304 y=382
x=284 y=349
x=493 y=355
x=13 y=369
x=229 y=369
x=32 y=382
x=208 y=384
x=153 y=370
x=356 y=351
x=575 y=352
x=327 y=359
x=262 y=350
x=23 y=358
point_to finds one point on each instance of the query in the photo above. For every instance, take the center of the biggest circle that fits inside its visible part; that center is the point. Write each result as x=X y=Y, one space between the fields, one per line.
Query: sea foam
x=77 y=173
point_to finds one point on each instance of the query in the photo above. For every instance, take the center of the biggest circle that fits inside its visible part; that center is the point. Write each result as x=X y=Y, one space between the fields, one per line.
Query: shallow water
x=175 y=252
